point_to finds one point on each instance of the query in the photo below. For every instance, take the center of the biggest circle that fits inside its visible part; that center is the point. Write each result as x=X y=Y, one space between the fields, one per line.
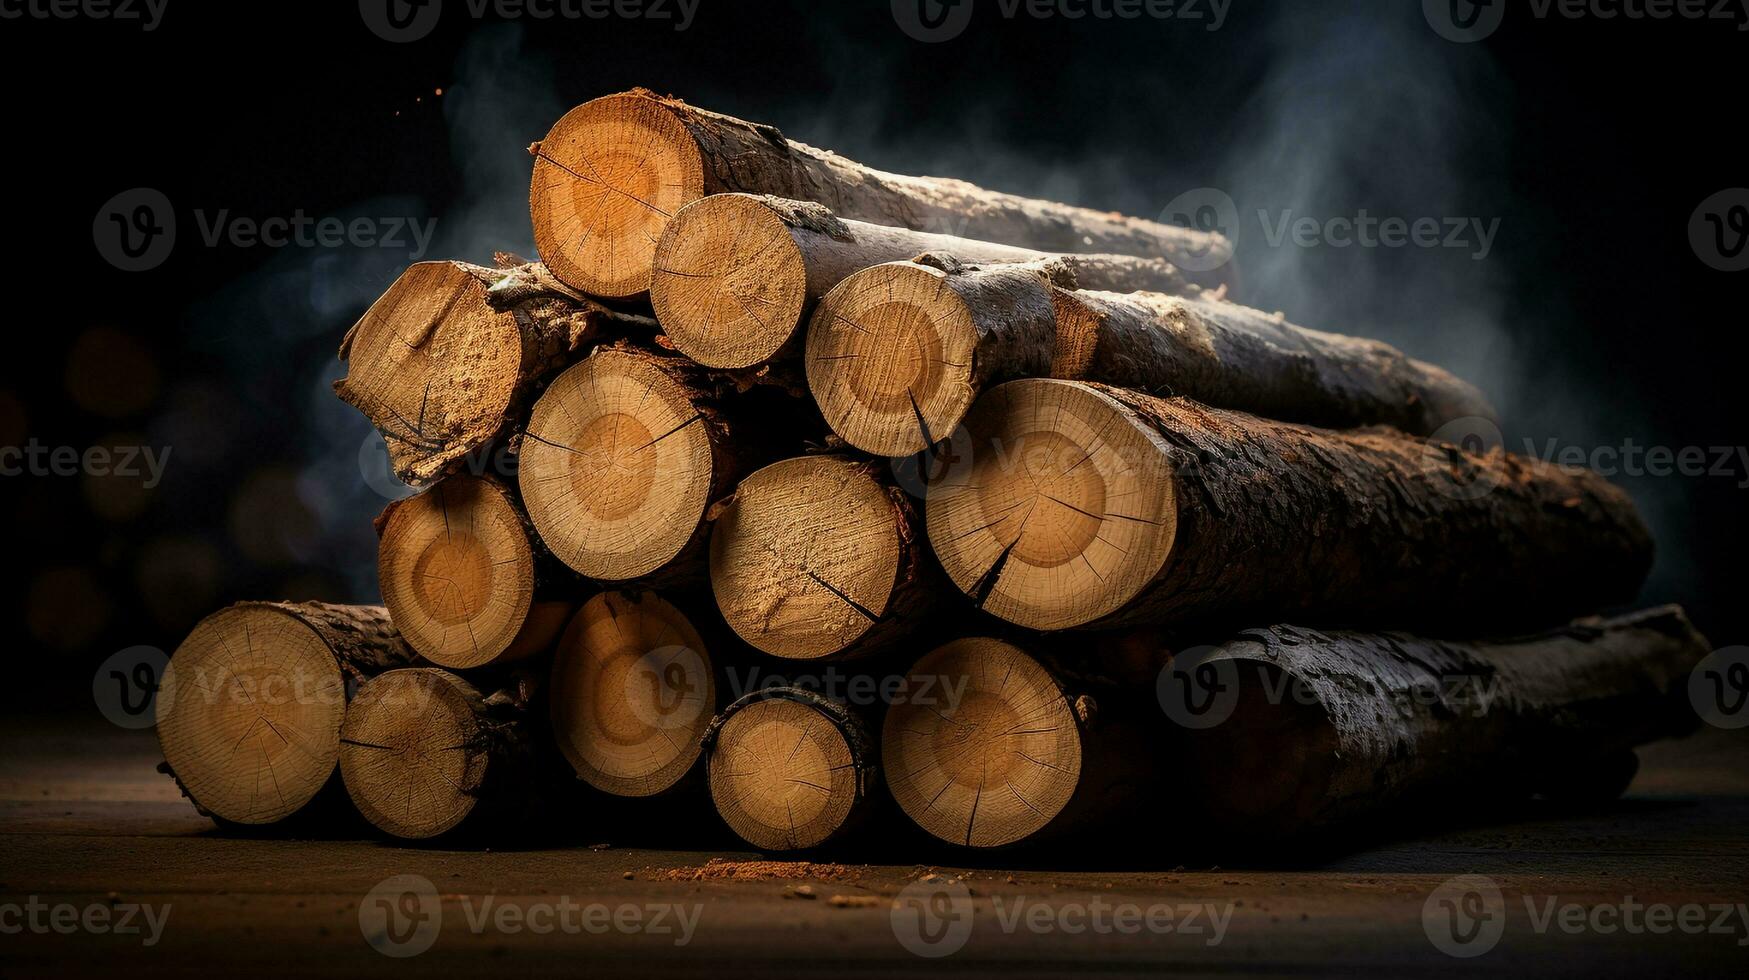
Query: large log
x=897 y=353
x=1302 y=729
x=423 y=751
x=459 y=573
x=251 y=704
x=614 y=171
x=1072 y=504
x=817 y=557
x=993 y=745
x=633 y=690
x=448 y=358
x=736 y=275
x=790 y=769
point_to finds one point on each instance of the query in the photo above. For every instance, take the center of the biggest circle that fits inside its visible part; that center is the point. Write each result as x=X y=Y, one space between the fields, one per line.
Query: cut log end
x=995 y=762
x=1062 y=509
x=784 y=774
x=457 y=572
x=250 y=709
x=402 y=368
x=889 y=359
x=616 y=467
x=730 y=282
x=632 y=693
x=411 y=752
x=607 y=179
x=805 y=560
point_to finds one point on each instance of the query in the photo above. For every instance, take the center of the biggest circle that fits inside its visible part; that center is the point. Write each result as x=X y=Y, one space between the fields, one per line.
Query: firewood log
x=1072 y=504
x=736 y=275
x=614 y=171
x=251 y=704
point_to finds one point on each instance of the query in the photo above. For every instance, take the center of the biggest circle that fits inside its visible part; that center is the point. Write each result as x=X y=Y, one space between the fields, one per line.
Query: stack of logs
x=1016 y=517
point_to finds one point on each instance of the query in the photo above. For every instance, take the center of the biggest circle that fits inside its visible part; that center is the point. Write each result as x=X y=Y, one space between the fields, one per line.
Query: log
x=459 y=575
x=449 y=357
x=897 y=353
x=995 y=745
x=736 y=275
x=423 y=752
x=622 y=455
x=614 y=171
x=1073 y=504
x=633 y=690
x=790 y=769
x=250 y=706
x=816 y=557
x=1317 y=729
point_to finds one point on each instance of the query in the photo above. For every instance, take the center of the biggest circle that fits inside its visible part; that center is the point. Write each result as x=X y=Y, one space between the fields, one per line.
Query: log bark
x=817 y=557
x=423 y=752
x=897 y=353
x=992 y=745
x=1072 y=504
x=250 y=707
x=613 y=172
x=634 y=686
x=737 y=275
x=446 y=360
x=622 y=455
x=1310 y=729
x=463 y=579
x=790 y=769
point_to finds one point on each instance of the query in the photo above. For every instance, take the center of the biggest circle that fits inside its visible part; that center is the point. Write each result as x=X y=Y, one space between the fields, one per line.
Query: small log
x=789 y=769
x=423 y=751
x=1072 y=504
x=816 y=557
x=897 y=353
x=736 y=275
x=614 y=171
x=251 y=704
x=1316 y=729
x=622 y=455
x=994 y=745
x=448 y=358
x=633 y=690
x=458 y=572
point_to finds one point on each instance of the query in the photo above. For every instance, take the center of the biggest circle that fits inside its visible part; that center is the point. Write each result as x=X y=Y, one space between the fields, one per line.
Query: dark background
x=1591 y=321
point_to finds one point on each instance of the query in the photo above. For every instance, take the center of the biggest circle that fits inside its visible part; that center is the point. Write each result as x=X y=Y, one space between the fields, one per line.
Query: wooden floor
x=85 y=823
